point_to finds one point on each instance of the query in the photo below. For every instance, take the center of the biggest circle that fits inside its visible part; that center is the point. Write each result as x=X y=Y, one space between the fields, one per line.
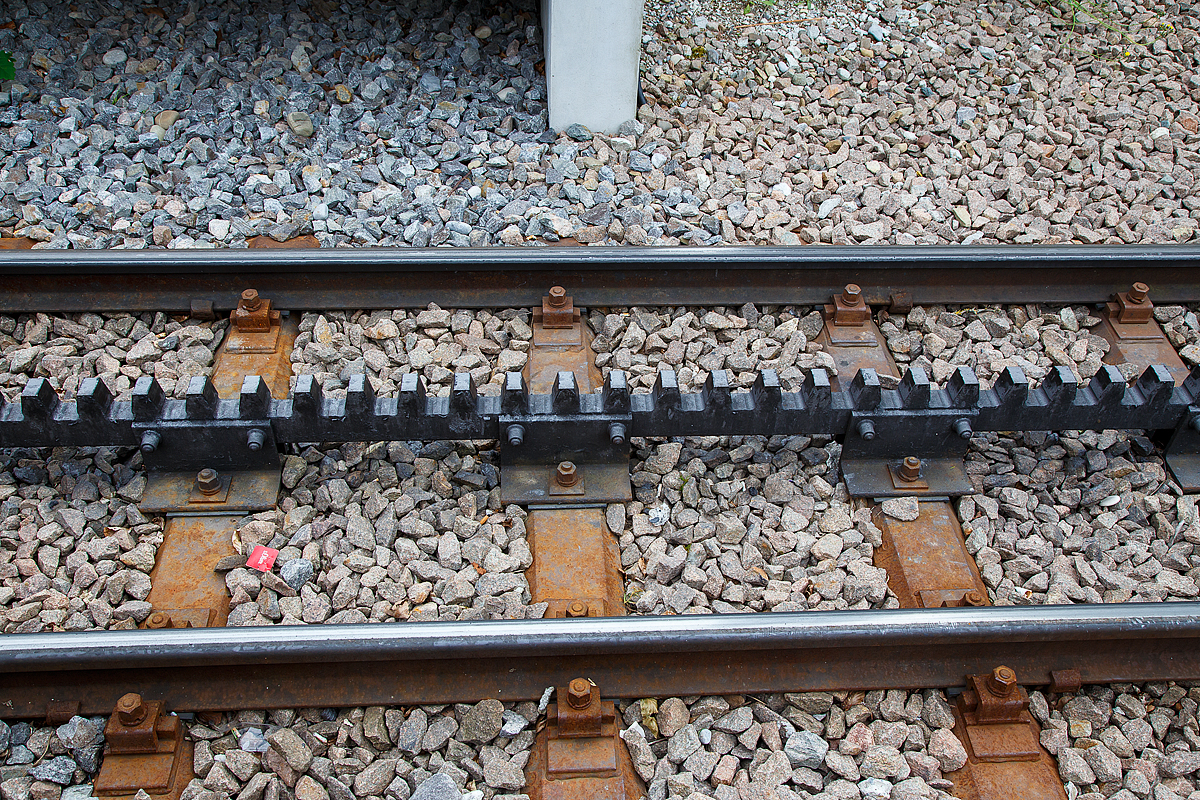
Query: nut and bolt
x=963 y=428
x=566 y=474
x=1138 y=292
x=255 y=439
x=558 y=296
x=1002 y=682
x=208 y=480
x=515 y=435
x=158 y=620
x=577 y=608
x=250 y=300
x=910 y=468
x=616 y=433
x=973 y=599
x=866 y=429
x=579 y=693
x=151 y=441
x=852 y=295
x=131 y=709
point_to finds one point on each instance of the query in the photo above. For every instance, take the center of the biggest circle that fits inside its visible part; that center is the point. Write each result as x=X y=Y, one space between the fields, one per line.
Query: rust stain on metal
x=183 y=576
x=852 y=338
x=926 y=559
x=146 y=750
x=576 y=563
x=307 y=242
x=1127 y=324
x=18 y=243
x=257 y=343
x=579 y=755
x=561 y=343
x=1005 y=758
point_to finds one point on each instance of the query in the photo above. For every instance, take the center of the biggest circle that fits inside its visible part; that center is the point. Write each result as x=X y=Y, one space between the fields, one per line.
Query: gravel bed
x=1031 y=338
x=118 y=349
x=872 y=745
x=1124 y=741
x=75 y=552
x=383 y=532
x=435 y=343
x=422 y=124
x=738 y=524
x=1079 y=517
x=459 y=752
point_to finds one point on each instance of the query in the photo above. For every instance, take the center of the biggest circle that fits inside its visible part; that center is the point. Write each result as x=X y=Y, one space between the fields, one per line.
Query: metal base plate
x=927 y=562
x=1028 y=772
x=1139 y=343
x=167 y=492
x=534 y=484
x=940 y=477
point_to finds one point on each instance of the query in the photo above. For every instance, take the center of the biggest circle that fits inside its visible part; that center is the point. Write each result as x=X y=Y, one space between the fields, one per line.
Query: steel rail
x=369 y=278
x=355 y=665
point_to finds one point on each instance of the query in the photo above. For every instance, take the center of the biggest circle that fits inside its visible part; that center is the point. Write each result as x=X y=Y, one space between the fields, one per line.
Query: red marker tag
x=262 y=558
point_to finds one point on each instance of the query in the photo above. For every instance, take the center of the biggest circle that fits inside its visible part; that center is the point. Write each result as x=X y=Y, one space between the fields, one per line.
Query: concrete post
x=592 y=53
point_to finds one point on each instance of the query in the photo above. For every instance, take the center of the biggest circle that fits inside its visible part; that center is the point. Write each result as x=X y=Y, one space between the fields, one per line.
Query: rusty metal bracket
x=146 y=750
x=1005 y=758
x=579 y=755
x=253 y=314
x=557 y=310
x=926 y=559
x=1134 y=337
x=852 y=338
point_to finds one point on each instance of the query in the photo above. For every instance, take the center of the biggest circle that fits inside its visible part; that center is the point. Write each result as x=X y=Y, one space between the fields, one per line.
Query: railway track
x=876 y=471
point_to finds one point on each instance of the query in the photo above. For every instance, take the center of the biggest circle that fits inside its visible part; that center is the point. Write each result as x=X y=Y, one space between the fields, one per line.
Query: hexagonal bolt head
x=1138 y=292
x=910 y=468
x=579 y=693
x=209 y=481
x=250 y=300
x=159 y=620
x=577 y=608
x=131 y=709
x=973 y=598
x=852 y=295
x=1002 y=682
x=566 y=474
x=558 y=296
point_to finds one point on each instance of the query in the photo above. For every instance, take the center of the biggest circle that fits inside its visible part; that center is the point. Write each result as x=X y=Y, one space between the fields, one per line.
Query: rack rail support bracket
x=579 y=754
x=146 y=749
x=852 y=338
x=1005 y=757
x=1134 y=337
